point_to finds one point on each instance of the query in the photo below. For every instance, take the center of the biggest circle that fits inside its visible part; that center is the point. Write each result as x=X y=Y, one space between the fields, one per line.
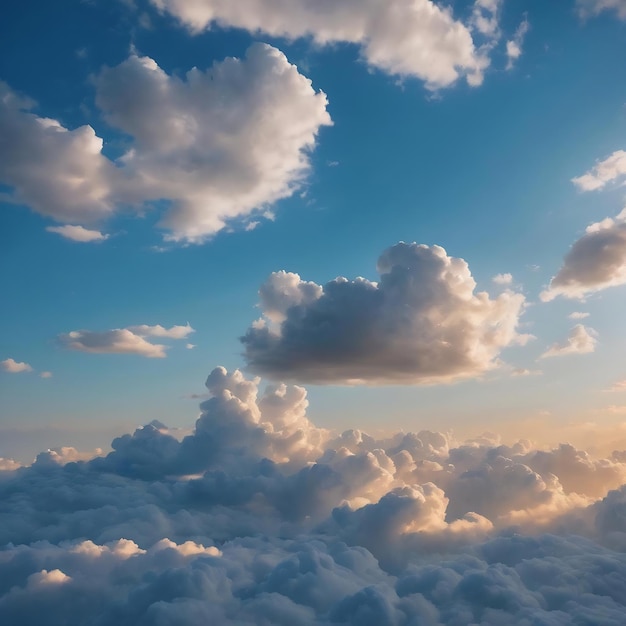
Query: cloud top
x=421 y=323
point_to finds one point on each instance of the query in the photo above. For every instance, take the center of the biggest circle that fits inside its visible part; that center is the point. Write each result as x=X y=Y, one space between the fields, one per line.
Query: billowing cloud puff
x=259 y=517
x=417 y=38
x=612 y=169
x=596 y=261
x=593 y=7
x=14 y=367
x=218 y=145
x=581 y=340
x=421 y=323
x=77 y=233
x=129 y=340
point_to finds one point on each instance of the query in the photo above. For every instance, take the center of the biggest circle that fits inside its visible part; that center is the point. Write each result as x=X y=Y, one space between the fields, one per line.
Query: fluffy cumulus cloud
x=423 y=322
x=595 y=262
x=260 y=517
x=77 y=233
x=612 y=169
x=415 y=38
x=588 y=8
x=14 y=367
x=215 y=145
x=131 y=340
x=581 y=340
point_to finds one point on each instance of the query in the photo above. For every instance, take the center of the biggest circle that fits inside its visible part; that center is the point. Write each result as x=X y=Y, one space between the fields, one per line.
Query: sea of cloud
x=260 y=517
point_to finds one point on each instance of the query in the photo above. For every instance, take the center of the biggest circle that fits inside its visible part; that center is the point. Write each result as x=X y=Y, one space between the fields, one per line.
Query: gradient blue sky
x=484 y=171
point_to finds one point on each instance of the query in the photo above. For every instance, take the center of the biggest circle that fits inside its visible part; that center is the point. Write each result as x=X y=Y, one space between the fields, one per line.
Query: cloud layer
x=216 y=146
x=260 y=517
x=417 y=38
x=595 y=262
x=131 y=340
x=421 y=323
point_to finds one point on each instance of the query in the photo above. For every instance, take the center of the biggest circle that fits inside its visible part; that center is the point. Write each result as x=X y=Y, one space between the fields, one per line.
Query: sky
x=393 y=237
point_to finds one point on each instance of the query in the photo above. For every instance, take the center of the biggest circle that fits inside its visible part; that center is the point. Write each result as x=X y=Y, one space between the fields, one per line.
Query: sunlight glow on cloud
x=258 y=517
x=595 y=262
x=129 y=340
x=581 y=340
x=422 y=323
x=416 y=38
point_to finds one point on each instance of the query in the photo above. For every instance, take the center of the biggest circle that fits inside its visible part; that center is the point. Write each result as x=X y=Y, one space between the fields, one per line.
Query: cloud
x=46 y=375
x=503 y=279
x=258 y=516
x=417 y=38
x=15 y=367
x=612 y=169
x=581 y=340
x=175 y=332
x=215 y=146
x=421 y=323
x=578 y=315
x=620 y=385
x=77 y=233
x=595 y=262
x=514 y=46
x=588 y=8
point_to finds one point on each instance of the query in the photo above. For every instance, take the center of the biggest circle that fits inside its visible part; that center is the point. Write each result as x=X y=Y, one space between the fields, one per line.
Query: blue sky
x=483 y=170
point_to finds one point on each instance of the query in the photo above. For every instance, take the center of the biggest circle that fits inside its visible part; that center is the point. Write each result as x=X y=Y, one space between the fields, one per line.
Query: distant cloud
x=595 y=262
x=612 y=169
x=46 y=375
x=419 y=39
x=129 y=340
x=618 y=387
x=77 y=233
x=15 y=367
x=502 y=279
x=190 y=346
x=514 y=46
x=220 y=145
x=588 y=8
x=578 y=315
x=581 y=340
x=421 y=323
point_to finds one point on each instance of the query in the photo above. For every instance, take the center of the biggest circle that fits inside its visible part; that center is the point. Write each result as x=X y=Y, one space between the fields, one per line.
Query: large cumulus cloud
x=259 y=517
x=417 y=38
x=423 y=322
x=215 y=145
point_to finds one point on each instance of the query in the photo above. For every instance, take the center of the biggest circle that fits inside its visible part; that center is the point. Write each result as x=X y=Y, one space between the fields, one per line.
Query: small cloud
x=46 y=375
x=77 y=233
x=612 y=169
x=522 y=371
x=619 y=386
x=581 y=340
x=514 y=46
x=503 y=279
x=15 y=367
x=616 y=410
x=190 y=346
x=252 y=225
x=332 y=163
x=578 y=315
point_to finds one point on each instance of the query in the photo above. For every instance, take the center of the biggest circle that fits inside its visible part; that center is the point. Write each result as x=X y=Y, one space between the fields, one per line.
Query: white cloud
x=578 y=315
x=130 y=340
x=216 y=145
x=219 y=144
x=421 y=323
x=589 y=8
x=190 y=346
x=503 y=279
x=416 y=38
x=581 y=340
x=77 y=233
x=595 y=262
x=514 y=46
x=311 y=528
x=612 y=169
x=15 y=367
x=175 y=332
